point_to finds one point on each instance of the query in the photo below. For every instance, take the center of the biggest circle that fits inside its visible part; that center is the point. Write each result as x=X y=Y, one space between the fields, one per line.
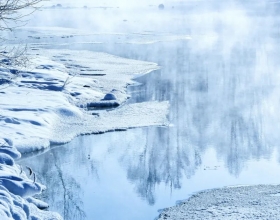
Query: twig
x=30 y=170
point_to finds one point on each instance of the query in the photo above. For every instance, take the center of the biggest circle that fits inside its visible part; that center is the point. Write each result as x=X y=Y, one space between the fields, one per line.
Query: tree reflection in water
x=157 y=161
x=217 y=100
x=64 y=191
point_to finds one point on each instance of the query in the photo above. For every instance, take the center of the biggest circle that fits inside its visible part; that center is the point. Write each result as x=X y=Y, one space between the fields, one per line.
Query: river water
x=223 y=89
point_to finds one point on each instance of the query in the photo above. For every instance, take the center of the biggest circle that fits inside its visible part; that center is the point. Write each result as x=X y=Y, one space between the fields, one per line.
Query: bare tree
x=12 y=14
x=13 y=11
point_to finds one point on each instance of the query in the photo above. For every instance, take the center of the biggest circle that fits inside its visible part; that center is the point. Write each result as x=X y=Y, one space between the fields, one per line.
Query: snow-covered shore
x=57 y=90
x=62 y=94
x=243 y=202
x=17 y=189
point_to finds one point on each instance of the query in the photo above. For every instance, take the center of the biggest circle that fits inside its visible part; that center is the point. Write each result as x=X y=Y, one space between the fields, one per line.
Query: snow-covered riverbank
x=243 y=202
x=63 y=94
x=48 y=103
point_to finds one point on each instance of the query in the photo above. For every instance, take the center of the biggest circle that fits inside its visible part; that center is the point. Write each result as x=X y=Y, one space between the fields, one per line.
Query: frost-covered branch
x=12 y=11
x=13 y=57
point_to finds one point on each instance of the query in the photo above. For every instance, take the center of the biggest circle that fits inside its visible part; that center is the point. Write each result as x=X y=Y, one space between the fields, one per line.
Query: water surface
x=223 y=89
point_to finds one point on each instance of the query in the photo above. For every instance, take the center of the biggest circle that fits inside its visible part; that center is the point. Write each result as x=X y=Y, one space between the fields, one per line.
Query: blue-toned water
x=223 y=89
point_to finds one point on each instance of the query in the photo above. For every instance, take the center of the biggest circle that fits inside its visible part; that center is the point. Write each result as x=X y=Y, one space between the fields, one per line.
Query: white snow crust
x=243 y=202
x=51 y=97
x=60 y=95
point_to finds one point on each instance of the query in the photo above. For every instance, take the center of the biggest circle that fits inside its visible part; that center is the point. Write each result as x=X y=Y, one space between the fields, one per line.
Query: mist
x=220 y=55
x=227 y=49
x=178 y=17
x=219 y=70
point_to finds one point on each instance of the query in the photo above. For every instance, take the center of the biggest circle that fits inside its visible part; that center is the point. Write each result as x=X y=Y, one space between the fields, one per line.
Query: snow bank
x=55 y=92
x=15 y=186
x=62 y=94
x=244 y=202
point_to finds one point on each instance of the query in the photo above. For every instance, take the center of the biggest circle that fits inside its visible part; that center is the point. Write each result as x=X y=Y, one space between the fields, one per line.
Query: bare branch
x=12 y=58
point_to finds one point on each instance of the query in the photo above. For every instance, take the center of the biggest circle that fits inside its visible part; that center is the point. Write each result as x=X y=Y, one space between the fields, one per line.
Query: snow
x=62 y=94
x=242 y=202
x=56 y=90
x=15 y=186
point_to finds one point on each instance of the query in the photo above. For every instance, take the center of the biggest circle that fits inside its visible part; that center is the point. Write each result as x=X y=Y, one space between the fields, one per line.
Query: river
x=223 y=89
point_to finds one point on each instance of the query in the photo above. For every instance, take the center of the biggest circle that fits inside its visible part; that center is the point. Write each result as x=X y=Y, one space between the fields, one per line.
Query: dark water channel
x=223 y=89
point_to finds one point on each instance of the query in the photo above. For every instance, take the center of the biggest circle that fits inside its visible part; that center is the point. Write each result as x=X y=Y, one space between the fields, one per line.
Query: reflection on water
x=224 y=96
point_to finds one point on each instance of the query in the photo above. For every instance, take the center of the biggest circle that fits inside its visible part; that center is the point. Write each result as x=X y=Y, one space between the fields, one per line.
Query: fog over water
x=220 y=72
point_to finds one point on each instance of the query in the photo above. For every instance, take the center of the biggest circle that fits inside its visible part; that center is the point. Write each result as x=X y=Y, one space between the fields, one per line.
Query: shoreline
x=47 y=104
x=246 y=202
x=68 y=106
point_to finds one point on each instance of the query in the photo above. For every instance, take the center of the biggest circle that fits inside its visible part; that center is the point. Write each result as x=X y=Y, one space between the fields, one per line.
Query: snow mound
x=15 y=186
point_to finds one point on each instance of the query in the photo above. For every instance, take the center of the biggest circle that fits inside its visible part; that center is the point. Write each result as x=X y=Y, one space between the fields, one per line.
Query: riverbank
x=241 y=202
x=60 y=95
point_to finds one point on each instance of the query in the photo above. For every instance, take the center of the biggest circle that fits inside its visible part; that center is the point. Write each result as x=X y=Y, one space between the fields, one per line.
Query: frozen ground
x=243 y=202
